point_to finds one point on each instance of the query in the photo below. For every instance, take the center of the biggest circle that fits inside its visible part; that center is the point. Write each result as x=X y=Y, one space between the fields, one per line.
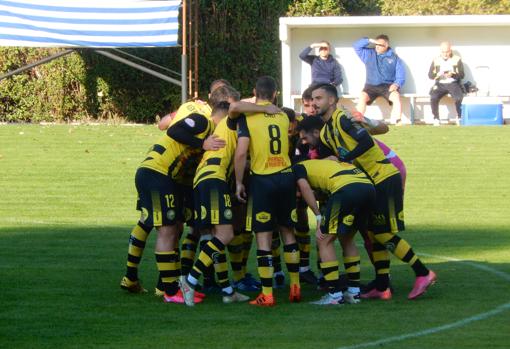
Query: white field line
x=460 y=323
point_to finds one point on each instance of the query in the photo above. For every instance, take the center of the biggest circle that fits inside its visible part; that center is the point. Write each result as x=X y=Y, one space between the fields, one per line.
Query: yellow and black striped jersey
x=218 y=163
x=193 y=107
x=329 y=176
x=337 y=135
x=182 y=143
x=269 y=141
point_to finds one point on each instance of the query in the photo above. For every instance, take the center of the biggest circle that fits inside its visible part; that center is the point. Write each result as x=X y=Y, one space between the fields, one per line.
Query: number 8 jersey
x=269 y=142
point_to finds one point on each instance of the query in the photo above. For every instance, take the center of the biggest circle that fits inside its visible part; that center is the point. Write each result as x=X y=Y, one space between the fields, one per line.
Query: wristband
x=318 y=218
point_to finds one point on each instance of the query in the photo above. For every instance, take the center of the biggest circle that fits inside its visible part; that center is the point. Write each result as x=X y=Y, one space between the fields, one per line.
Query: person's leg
x=291 y=257
x=330 y=269
x=362 y=102
x=457 y=94
x=436 y=93
x=264 y=268
x=167 y=258
x=352 y=266
x=396 y=110
x=137 y=240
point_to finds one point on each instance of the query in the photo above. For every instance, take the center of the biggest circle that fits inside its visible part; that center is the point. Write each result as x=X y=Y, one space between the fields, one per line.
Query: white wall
x=484 y=42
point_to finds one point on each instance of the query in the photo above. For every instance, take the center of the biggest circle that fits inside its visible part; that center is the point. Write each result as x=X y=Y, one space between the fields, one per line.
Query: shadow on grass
x=60 y=285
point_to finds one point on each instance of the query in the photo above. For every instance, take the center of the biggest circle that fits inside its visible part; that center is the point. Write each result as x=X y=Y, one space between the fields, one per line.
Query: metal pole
x=139 y=67
x=184 y=69
x=197 y=21
x=35 y=64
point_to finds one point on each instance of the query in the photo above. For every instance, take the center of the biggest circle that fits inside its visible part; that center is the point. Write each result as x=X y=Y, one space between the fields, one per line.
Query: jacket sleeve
x=305 y=57
x=460 y=73
x=432 y=71
x=400 y=73
x=361 y=49
x=337 y=74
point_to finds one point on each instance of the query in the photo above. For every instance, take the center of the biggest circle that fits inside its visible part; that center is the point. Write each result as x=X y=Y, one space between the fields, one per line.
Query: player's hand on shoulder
x=213 y=142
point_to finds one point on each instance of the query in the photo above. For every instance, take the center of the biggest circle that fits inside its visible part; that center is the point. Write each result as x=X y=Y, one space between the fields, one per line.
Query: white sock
x=353 y=290
x=192 y=280
x=303 y=269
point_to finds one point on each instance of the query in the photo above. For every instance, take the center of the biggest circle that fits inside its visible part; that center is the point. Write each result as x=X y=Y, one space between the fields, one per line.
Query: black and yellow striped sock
x=304 y=243
x=169 y=267
x=352 y=268
x=221 y=268
x=188 y=251
x=208 y=253
x=247 y=242
x=235 y=252
x=265 y=269
x=403 y=251
x=275 y=250
x=331 y=275
x=137 y=240
x=291 y=257
x=381 y=262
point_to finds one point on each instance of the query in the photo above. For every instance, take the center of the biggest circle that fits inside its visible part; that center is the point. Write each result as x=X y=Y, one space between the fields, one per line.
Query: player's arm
x=186 y=130
x=237 y=108
x=308 y=195
x=240 y=156
x=360 y=135
x=166 y=121
x=375 y=127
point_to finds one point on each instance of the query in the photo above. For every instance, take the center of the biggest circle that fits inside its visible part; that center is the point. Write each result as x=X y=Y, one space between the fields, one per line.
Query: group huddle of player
x=233 y=169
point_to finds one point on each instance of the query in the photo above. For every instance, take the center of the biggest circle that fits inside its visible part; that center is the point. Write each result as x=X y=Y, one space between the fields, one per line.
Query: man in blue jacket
x=385 y=74
x=325 y=68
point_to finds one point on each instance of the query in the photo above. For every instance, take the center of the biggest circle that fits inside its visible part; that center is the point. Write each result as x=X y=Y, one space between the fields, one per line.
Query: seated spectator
x=447 y=71
x=325 y=68
x=385 y=74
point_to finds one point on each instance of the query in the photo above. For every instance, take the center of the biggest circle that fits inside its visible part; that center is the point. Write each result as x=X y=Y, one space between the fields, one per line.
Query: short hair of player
x=291 y=114
x=218 y=83
x=310 y=124
x=223 y=94
x=265 y=88
x=330 y=90
x=221 y=107
x=307 y=94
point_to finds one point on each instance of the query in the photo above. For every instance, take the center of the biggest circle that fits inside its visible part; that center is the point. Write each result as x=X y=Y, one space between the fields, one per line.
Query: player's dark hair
x=291 y=114
x=383 y=37
x=307 y=94
x=223 y=94
x=221 y=107
x=265 y=88
x=310 y=123
x=330 y=90
x=218 y=83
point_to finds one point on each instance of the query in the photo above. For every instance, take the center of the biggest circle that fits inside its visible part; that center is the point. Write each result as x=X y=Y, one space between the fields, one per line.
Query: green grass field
x=67 y=205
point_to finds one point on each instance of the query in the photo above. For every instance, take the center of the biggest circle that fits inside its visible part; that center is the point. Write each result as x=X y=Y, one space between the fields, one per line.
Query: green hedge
x=238 y=41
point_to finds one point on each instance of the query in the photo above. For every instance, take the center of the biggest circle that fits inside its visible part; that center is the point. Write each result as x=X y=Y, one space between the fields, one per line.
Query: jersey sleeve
x=299 y=171
x=360 y=135
x=232 y=124
x=185 y=130
x=242 y=127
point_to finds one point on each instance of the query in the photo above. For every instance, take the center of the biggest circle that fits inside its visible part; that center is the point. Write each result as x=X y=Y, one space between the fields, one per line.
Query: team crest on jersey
x=263 y=217
x=170 y=214
x=203 y=212
x=348 y=220
x=401 y=216
x=379 y=219
x=190 y=122
x=293 y=215
x=227 y=213
x=144 y=214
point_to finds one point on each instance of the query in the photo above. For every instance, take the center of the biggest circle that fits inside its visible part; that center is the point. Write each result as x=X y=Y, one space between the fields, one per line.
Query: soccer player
x=213 y=209
x=160 y=198
x=348 y=142
x=351 y=196
x=262 y=133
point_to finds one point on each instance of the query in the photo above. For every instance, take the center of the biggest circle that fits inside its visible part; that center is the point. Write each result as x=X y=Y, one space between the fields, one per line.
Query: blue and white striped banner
x=109 y=23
